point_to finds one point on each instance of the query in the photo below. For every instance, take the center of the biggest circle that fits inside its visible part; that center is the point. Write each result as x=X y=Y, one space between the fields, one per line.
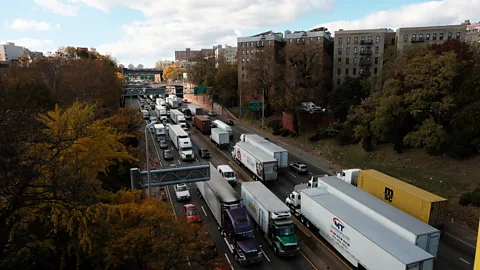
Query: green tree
x=350 y=93
x=226 y=84
x=203 y=71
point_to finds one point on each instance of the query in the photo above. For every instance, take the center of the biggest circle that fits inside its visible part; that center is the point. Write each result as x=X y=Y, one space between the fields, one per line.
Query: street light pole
x=148 y=160
x=263 y=106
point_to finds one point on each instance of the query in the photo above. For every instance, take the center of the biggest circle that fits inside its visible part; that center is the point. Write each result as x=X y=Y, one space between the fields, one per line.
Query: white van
x=224 y=126
x=228 y=174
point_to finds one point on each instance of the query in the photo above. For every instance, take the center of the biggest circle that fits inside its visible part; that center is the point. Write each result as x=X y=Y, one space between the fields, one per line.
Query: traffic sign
x=200 y=90
x=255 y=106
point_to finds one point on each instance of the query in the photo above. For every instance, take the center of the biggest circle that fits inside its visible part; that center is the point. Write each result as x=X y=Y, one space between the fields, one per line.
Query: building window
x=377 y=49
x=370 y=39
x=434 y=36
x=247 y=60
x=339 y=50
x=375 y=71
x=290 y=41
x=420 y=36
x=354 y=71
x=243 y=68
x=346 y=72
x=247 y=52
x=361 y=71
x=243 y=76
x=362 y=49
x=348 y=50
x=355 y=40
x=457 y=36
x=355 y=61
x=355 y=50
x=348 y=40
x=405 y=37
x=242 y=52
x=303 y=40
x=449 y=35
x=347 y=61
x=251 y=44
x=339 y=71
x=318 y=39
x=376 y=60
x=377 y=39
x=339 y=60
x=256 y=43
x=427 y=36
x=340 y=40
x=441 y=36
x=251 y=51
x=414 y=36
x=269 y=42
x=363 y=38
x=298 y=40
x=243 y=60
x=263 y=43
x=311 y=39
x=243 y=43
x=338 y=81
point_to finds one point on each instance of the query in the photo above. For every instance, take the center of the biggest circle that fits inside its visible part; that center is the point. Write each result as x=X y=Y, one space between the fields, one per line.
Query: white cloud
x=26 y=25
x=58 y=7
x=41 y=45
x=174 y=25
x=421 y=14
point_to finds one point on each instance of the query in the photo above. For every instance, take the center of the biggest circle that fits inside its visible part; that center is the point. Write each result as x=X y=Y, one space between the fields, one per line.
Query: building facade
x=189 y=55
x=429 y=35
x=228 y=53
x=164 y=64
x=359 y=52
x=10 y=52
x=473 y=32
x=131 y=66
x=140 y=66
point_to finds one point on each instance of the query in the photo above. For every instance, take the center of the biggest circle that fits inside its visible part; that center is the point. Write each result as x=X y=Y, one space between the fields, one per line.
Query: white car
x=181 y=192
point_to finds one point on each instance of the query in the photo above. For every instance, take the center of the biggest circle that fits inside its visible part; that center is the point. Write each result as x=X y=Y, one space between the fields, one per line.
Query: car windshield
x=302 y=166
x=285 y=231
x=192 y=212
x=244 y=236
x=229 y=174
x=168 y=153
x=181 y=188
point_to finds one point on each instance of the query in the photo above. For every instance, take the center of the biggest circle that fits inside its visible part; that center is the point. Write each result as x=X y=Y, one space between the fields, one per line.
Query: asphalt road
x=270 y=261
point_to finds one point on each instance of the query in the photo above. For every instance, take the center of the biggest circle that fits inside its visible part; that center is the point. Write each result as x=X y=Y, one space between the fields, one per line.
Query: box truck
x=181 y=141
x=272 y=217
x=145 y=114
x=172 y=102
x=224 y=126
x=195 y=109
x=202 y=124
x=426 y=206
x=161 y=112
x=273 y=150
x=233 y=221
x=176 y=116
x=411 y=229
x=220 y=137
x=359 y=239
x=159 y=131
x=262 y=166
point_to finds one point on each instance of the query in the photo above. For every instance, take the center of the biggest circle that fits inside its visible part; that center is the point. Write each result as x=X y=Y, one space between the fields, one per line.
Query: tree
x=226 y=84
x=172 y=73
x=203 y=71
x=70 y=52
x=350 y=93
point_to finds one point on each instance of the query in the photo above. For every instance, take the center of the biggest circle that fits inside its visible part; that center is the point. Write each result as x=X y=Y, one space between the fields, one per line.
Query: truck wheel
x=302 y=219
x=308 y=224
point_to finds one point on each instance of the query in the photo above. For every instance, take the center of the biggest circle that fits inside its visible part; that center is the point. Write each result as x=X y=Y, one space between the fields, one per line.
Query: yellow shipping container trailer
x=426 y=206
x=477 y=257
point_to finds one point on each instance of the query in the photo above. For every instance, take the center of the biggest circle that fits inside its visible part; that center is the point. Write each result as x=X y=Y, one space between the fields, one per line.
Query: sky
x=144 y=31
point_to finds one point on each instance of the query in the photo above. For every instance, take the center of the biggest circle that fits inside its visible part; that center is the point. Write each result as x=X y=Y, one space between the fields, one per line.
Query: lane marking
x=463 y=260
x=292 y=174
x=264 y=254
x=308 y=260
x=460 y=240
x=228 y=259
x=179 y=162
x=204 y=211
x=310 y=173
x=197 y=160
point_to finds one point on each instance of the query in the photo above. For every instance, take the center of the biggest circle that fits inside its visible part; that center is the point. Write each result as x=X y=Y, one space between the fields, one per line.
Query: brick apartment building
x=190 y=55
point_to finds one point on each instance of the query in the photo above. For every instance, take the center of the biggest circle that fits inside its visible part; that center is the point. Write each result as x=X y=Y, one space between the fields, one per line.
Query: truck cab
x=238 y=231
x=293 y=201
x=228 y=174
x=186 y=149
x=350 y=176
x=282 y=235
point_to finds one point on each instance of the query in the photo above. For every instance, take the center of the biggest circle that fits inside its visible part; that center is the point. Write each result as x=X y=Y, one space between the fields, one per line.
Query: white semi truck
x=411 y=229
x=272 y=216
x=181 y=141
x=161 y=112
x=359 y=239
x=273 y=150
x=262 y=166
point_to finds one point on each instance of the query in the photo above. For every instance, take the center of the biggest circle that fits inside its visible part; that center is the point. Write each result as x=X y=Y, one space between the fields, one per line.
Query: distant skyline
x=142 y=32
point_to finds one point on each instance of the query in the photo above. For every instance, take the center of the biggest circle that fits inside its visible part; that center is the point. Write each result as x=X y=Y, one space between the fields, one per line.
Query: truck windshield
x=244 y=236
x=228 y=174
x=285 y=231
x=186 y=148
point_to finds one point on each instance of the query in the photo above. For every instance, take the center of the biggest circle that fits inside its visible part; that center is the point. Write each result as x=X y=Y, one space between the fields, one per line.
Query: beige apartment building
x=429 y=34
x=359 y=52
x=473 y=32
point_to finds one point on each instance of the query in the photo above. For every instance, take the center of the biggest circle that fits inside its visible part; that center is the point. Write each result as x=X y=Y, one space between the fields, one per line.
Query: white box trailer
x=224 y=126
x=195 y=109
x=279 y=153
x=256 y=161
x=161 y=112
x=177 y=116
x=411 y=229
x=181 y=141
x=159 y=131
x=361 y=240
x=172 y=102
x=220 y=137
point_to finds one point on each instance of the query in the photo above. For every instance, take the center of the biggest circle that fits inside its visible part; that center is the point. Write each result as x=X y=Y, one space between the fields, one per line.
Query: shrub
x=466 y=198
x=294 y=134
x=285 y=132
x=277 y=132
x=346 y=134
x=275 y=124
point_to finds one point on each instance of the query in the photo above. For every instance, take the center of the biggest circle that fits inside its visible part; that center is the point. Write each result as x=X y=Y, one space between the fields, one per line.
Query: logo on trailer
x=388 y=194
x=239 y=154
x=338 y=223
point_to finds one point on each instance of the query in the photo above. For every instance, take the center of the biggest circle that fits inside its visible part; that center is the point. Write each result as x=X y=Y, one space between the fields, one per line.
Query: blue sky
x=143 y=31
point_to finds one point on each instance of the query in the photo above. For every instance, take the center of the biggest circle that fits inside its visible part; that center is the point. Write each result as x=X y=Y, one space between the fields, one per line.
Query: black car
x=163 y=144
x=167 y=154
x=230 y=122
x=204 y=153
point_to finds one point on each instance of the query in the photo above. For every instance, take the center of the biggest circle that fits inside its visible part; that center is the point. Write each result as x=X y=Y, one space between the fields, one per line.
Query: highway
x=271 y=261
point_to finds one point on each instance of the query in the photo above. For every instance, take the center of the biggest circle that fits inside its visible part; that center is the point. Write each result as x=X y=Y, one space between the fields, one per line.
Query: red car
x=191 y=213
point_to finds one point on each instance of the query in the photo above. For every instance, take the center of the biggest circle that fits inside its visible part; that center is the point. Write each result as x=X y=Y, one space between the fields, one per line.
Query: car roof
x=182 y=184
x=190 y=205
x=225 y=168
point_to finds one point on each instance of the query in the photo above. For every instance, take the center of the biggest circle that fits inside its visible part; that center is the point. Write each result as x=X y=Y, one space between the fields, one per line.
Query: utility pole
x=263 y=106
